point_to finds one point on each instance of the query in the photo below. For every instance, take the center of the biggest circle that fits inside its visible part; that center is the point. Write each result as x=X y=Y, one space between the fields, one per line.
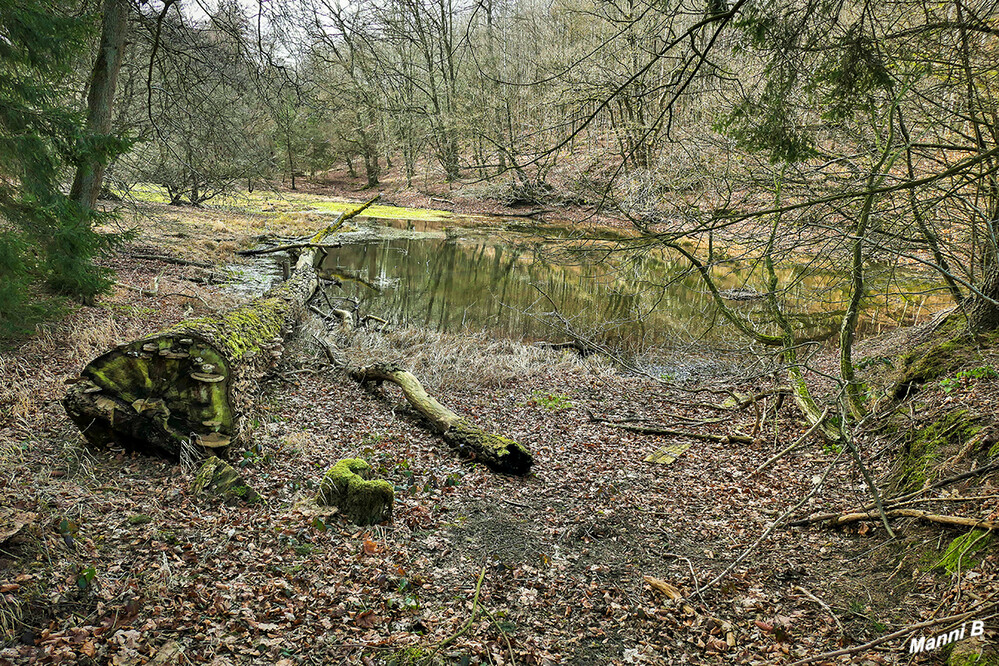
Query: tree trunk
x=193 y=383
x=104 y=80
x=983 y=315
x=498 y=453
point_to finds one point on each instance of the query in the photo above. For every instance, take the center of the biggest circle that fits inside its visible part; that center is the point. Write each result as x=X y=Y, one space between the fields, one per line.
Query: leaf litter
x=595 y=558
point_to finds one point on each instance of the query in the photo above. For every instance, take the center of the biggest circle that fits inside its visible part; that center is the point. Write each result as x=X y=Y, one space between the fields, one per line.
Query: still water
x=522 y=285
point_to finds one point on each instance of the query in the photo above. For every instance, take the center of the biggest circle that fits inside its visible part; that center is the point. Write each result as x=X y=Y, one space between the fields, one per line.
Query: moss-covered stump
x=974 y=651
x=219 y=478
x=499 y=453
x=348 y=486
x=193 y=384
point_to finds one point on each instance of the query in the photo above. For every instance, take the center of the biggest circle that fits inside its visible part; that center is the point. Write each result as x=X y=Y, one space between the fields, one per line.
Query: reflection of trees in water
x=625 y=299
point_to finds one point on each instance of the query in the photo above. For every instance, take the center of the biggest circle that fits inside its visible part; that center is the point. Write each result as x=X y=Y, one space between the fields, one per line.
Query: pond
x=534 y=283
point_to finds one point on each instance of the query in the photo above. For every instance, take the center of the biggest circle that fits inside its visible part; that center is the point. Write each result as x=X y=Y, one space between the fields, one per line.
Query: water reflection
x=517 y=286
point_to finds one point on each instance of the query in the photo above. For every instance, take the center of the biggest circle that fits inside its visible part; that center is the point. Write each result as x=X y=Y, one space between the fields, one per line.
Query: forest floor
x=485 y=197
x=107 y=557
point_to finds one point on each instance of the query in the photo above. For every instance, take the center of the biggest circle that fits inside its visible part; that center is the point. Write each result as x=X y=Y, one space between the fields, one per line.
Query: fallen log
x=497 y=452
x=283 y=248
x=580 y=347
x=835 y=520
x=659 y=430
x=193 y=384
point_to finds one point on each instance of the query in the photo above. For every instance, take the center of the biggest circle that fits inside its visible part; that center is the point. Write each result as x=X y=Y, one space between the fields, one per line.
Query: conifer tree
x=45 y=236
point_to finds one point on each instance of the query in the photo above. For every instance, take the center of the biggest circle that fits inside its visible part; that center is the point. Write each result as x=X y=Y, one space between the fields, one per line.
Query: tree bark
x=104 y=80
x=498 y=453
x=193 y=384
x=983 y=315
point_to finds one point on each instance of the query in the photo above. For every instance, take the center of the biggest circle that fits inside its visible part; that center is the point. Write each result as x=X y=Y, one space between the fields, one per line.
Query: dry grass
x=77 y=459
x=17 y=395
x=11 y=457
x=10 y=619
x=448 y=361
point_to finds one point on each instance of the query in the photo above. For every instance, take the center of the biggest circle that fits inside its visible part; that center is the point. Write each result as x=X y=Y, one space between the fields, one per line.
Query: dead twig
x=824 y=605
x=899 y=500
x=656 y=430
x=506 y=638
x=471 y=619
x=798 y=442
x=745 y=553
x=845 y=518
x=693 y=575
x=884 y=639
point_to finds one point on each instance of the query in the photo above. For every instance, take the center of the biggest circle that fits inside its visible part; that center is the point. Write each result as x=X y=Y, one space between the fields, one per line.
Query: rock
x=347 y=486
x=218 y=478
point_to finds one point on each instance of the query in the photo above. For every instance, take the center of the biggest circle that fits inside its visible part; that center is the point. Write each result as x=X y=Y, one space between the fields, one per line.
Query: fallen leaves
x=566 y=549
x=13 y=521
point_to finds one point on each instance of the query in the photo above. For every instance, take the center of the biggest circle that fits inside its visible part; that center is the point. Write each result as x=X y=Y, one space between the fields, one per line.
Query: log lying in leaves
x=660 y=430
x=193 y=383
x=497 y=452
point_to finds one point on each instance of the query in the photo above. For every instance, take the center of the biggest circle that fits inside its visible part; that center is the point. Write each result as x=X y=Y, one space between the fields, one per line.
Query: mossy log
x=347 y=487
x=497 y=452
x=193 y=383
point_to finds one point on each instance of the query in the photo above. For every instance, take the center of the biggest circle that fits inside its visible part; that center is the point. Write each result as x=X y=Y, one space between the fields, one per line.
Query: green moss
x=139 y=519
x=963 y=553
x=241 y=330
x=501 y=454
x=974 y=652
x=551 y=401
x=218 y=478
x=133 y=373
x=952 y=347
x=931 y=443
x=346 y=486
x=411 y=656
x=385 y=212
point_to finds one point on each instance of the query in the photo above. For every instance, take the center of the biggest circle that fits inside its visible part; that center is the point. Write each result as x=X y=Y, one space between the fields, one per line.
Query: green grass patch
x=550 y=401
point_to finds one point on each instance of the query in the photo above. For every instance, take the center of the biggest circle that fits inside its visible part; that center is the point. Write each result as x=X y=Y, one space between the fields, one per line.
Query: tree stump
x=347 y=487
x=219 y=478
